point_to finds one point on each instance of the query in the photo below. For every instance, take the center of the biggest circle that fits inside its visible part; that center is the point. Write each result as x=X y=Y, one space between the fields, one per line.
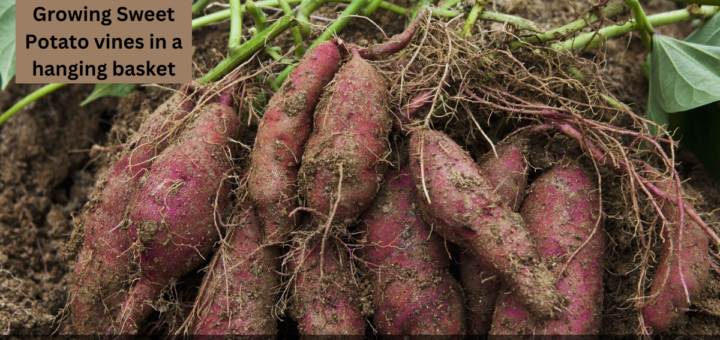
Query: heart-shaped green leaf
x=683 y=75
x=7 y=41
x=103 y=90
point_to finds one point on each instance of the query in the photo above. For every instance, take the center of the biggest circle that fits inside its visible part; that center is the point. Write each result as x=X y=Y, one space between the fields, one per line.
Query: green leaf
x=7 y=41
x=698 y=131
x=683 y=75
x=707 y=34
x=103 y=90
x=656 y=114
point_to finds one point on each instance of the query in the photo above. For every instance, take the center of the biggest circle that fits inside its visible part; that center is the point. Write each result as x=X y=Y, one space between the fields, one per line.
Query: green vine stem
x=475 y=12
x=235 y=39
x=701 y=2
x=371 y=7
x=199 y=7
x=303 y=15
x=249 y=48
x=42 y=92
x=297 y=37
x=224 y=14
x=643 y=26
x=257 y=14
x=449 y=4
x=592 y=39
x=575 y=26
x=521 y=23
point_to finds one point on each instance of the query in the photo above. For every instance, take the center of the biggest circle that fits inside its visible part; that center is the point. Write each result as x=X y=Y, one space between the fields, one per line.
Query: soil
x=52 y=151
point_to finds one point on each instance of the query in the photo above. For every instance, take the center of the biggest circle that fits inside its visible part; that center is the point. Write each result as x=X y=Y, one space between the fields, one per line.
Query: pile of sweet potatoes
x=529 y=260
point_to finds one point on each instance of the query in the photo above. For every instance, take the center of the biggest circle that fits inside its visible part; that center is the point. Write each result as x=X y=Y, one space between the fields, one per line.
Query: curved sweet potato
x=561 y=212
x=414 y=293
x=239 y=296
x=104 y=261
x=466 y=211
x=670 y=300
x=350 y=132
x=507 y=173
x=281 y=138
x=173 y=214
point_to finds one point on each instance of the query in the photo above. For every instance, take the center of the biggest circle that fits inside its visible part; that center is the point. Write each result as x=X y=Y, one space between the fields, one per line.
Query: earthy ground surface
x=51 y=152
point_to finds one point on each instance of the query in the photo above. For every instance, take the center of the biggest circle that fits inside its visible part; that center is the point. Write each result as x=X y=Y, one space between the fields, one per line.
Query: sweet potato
x=104 y=261
x=466 y=211
x=507 y=173
x=414 y=293
x=327 y=303
x=238 y=291
x=562 y=212
x=281 y=138
x=173 y=216
x=669 y=300
x=349 y=140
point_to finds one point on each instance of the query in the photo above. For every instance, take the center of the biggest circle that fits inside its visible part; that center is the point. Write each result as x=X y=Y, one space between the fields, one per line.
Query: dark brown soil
x=51 y=152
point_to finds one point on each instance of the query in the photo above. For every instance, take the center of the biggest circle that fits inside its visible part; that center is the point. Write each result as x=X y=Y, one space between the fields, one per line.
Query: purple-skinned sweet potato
x=349 y=139
x=562 y=212
x=281 y=138
x=173 y=216
x=464 y=209
x=414 y=293
x=668 y=298
x=507 y=174
x=104 y=262
x=324 y=303
x=238 y=292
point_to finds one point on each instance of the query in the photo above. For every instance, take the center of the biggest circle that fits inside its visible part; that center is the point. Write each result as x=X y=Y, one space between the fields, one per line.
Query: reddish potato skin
x=351 y=130
x=507 y=173
x=328 y=307
x=239 y=289
x=466 y=211
x=281 y=138
x=173 y=215
x=561 y=212
x=414 y=292
x=671 y=302
x=104 y=262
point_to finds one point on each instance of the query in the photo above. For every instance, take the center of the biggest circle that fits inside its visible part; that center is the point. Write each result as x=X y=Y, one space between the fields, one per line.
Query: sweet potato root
x=466 y=211
x=562 y=212
x=281 y=138
x=669 y=299
x=349 y=140
x=414 y=293
x=238 y=290
x=104 y=261
x=507 y=173
x=174 y=213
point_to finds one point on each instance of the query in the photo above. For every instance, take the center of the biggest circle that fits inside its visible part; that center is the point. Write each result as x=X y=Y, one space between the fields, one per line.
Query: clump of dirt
x=44 y=153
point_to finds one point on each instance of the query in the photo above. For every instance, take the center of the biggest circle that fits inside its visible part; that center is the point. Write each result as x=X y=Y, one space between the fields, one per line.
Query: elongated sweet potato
x=507 y=174
x=281 y=138
x=466 y=211
x=414 y=293
x=324 y=303
x=173 y=216
x=349 y=140
x=561 y=212
x=669 y=299
x=104 y=261
x=239 y=289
